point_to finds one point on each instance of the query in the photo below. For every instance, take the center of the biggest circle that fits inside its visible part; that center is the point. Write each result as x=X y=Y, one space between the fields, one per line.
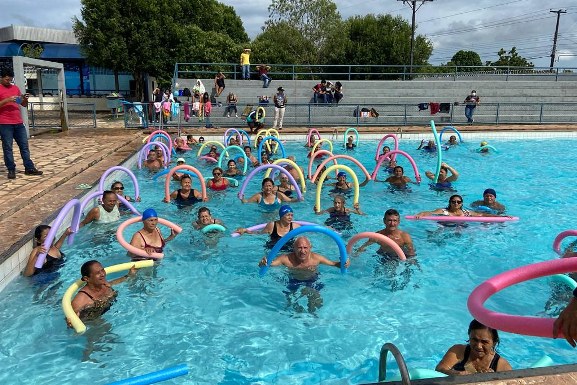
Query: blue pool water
x=205 y=305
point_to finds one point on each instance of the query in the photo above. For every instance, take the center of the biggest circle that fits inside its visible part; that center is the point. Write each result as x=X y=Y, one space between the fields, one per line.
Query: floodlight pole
x=415 y=8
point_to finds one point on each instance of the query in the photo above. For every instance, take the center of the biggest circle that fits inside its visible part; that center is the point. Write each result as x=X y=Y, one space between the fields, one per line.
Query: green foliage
x=510 y=59
x=465 y=58
x=142 y=36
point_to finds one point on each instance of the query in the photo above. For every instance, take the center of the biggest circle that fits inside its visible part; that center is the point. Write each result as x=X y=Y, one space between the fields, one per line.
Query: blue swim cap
x=342 y=173
x=284 y=209
x=149 y=213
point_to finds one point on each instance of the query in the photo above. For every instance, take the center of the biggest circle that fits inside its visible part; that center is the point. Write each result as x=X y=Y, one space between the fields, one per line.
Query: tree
x=141 y=36
x=510 y=59
x=316 y=20
x=466 y=59
x=383 y=40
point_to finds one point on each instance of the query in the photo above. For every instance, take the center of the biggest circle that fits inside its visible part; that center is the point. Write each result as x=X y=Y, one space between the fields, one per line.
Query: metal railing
x=389 y=347
x=373 y=72
x=47 y=115
x=143 y=115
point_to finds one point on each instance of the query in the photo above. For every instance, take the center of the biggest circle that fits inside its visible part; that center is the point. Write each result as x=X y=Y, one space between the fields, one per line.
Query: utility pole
x=415 y=8
x=554 y=50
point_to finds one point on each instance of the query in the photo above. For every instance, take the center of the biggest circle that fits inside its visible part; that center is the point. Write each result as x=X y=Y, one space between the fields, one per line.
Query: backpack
x=186 y=92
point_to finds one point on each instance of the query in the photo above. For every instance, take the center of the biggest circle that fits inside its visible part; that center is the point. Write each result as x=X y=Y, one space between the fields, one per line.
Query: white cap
x=181 y=160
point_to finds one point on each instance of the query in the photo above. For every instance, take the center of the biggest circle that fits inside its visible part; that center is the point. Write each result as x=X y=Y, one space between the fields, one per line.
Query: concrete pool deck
x=80 y=156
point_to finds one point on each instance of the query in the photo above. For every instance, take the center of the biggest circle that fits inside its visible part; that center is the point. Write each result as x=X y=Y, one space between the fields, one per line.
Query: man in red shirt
x=12 y=126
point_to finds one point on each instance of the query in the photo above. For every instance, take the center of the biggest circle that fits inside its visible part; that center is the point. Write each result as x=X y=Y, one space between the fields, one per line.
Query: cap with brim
x=284 y=210
x=149 y=213
x=181 y=160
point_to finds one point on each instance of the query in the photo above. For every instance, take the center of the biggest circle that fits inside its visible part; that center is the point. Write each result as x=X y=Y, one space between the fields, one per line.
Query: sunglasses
x=118 y=188
x=455 y=201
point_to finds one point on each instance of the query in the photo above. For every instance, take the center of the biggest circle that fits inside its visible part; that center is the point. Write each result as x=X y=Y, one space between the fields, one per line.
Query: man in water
x=392 y=219
x=303 y=272
x=489 y=201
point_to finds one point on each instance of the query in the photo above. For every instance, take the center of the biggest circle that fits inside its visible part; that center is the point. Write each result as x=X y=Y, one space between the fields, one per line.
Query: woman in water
x=97 y=295
x=54 y=257
x=454 y=209
x=339 y=216
x=217 y=182
x=285 y=186
x=232 y=170
x=268 y=198
x=478 y=356
x=149 y=238
x=444 y=181
x=186 y=195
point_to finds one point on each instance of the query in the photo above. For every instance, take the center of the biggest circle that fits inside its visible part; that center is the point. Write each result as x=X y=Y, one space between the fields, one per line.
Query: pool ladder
x=389 y=347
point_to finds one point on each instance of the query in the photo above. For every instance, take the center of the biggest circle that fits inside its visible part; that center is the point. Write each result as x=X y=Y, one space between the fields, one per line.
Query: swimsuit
x=274 y=238
x=156 y=249
x=294 y=283
x=213 y=186
x=460 y=366
x=269 y=206
x=188 y=201
x=287 y=192
x=339 y=220
x=98 y=307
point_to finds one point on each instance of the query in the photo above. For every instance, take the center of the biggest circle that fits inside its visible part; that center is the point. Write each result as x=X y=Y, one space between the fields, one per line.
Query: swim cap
x=490 y=191
x=181 y=160
x=342 y=173
x=284 y=209
x=484 y=143
x=149 y=213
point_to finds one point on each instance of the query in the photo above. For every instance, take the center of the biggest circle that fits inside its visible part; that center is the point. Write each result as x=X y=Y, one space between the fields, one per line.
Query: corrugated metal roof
x=34 y=34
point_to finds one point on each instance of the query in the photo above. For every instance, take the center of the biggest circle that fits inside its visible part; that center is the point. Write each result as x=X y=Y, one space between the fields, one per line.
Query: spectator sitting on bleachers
x=320 y=91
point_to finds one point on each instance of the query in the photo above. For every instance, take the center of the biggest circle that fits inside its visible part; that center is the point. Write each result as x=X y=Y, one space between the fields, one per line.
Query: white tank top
x=107 y=217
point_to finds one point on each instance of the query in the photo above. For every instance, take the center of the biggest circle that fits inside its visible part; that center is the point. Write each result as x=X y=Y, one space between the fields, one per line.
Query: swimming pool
x=206 y=306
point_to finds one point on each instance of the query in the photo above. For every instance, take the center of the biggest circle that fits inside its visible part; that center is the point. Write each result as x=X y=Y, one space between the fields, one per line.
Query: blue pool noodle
x=154 y=377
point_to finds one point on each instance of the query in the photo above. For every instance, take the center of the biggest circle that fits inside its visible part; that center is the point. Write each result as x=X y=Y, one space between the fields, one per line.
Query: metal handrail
x=390 y=347
x=397 y=72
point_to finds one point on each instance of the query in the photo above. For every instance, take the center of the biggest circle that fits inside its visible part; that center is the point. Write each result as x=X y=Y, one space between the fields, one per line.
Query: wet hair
x=476 y=325
x=189 y=137
x=202 y=210
x=38 y=233
x=396 y=167
x=86 y=267
x=218 y=169
x=106 y=193
x=245 y=147
x=451 y=198
x=340 y=198
x=185 y=176
x=390 y=212
x=230 y=160
x=267 y=180
x=116 y=183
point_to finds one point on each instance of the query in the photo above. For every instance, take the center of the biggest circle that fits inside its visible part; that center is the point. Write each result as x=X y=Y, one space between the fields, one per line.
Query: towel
x=186 y=111
x=434 y=107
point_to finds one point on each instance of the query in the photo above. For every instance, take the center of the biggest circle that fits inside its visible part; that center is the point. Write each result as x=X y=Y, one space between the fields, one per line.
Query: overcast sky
x=481 y=26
